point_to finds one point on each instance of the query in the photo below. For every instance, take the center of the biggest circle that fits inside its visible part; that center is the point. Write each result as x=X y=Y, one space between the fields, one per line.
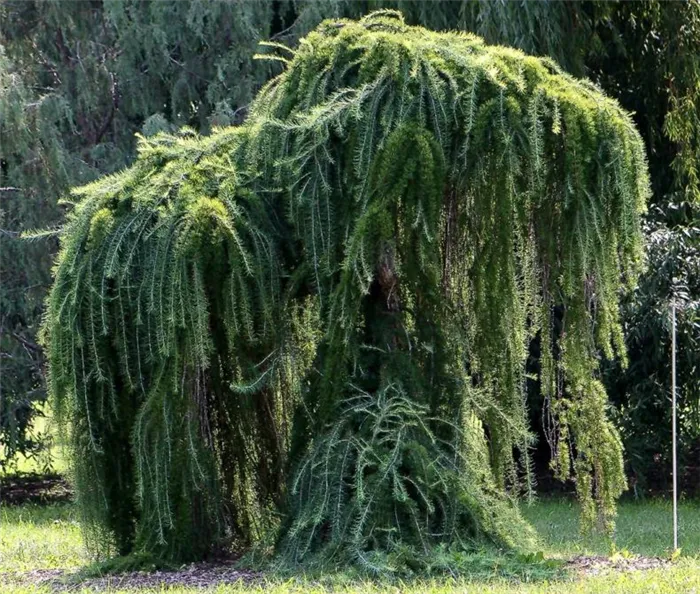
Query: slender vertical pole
x=673 y=425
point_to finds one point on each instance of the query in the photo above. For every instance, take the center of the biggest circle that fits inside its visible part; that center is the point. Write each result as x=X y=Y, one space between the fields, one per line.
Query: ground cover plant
x=314 y=327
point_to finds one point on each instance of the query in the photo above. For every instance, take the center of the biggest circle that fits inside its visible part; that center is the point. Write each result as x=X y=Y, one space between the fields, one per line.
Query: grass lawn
x=36 y=537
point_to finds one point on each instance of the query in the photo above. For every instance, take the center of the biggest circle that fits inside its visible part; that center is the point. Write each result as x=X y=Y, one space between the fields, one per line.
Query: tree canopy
x=77 y=80
x=325 y=312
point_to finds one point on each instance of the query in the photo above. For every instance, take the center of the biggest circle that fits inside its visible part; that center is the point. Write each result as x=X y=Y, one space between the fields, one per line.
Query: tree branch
x=32 y=346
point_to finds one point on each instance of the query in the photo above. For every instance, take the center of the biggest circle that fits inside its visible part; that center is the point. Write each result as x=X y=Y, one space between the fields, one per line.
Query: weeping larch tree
x=315 y=327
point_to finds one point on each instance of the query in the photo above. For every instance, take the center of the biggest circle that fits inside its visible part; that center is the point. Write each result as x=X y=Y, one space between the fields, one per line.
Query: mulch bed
x=586 y=565
x=209 y=575
x=196 y=575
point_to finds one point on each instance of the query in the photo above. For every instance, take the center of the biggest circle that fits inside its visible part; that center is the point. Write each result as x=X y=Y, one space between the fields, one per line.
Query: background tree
x=641 y=390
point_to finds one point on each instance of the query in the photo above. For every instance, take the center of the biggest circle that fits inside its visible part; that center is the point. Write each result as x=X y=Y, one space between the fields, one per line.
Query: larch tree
x=77 y=81
x=323 y=315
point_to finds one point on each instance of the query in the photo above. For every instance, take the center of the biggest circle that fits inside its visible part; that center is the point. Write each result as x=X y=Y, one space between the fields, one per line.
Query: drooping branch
x=355 y=275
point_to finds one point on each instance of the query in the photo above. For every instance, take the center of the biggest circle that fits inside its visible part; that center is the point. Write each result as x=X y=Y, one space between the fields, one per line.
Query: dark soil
x=196 y=575
x=34 y=488
x=209 y=575
x=585 y=565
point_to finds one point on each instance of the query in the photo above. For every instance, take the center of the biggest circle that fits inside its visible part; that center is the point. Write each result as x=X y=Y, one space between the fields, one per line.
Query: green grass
x=644 y=528
x=46 y=537
x=40 y=537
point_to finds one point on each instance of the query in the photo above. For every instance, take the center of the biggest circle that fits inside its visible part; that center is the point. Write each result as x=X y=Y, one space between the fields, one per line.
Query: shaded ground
x=41 y=549
x=34 y=488
x=196 y=575
x=210 y=575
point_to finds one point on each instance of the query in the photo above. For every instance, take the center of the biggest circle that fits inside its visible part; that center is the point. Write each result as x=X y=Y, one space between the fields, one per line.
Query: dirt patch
x=196 y=575
x=207 y=575
x=596 y=565
x=34 y=488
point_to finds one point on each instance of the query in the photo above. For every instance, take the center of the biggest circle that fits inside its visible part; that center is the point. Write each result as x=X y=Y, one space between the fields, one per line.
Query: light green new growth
x=325 y=314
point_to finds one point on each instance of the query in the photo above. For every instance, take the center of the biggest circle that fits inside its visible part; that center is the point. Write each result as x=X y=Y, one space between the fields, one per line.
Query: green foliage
x=77 y=80
x=389 y=492
x=23 y=285
x=644 y=54
x=641 y=391
x=339 y=296
x=150 y=361
x=660 y=38
x=567 y=32
x=514 y=153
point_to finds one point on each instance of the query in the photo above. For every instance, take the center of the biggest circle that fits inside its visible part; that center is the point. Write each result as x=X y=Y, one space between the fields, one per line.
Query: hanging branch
x=347 y=286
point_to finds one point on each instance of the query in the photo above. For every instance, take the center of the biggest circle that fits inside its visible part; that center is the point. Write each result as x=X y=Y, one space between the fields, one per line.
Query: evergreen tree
x=32 y=166
x=78 y=79
x=326 y=310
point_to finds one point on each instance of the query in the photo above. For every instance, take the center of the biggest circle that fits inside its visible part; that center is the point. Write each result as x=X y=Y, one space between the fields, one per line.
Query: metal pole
x=673 y=425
